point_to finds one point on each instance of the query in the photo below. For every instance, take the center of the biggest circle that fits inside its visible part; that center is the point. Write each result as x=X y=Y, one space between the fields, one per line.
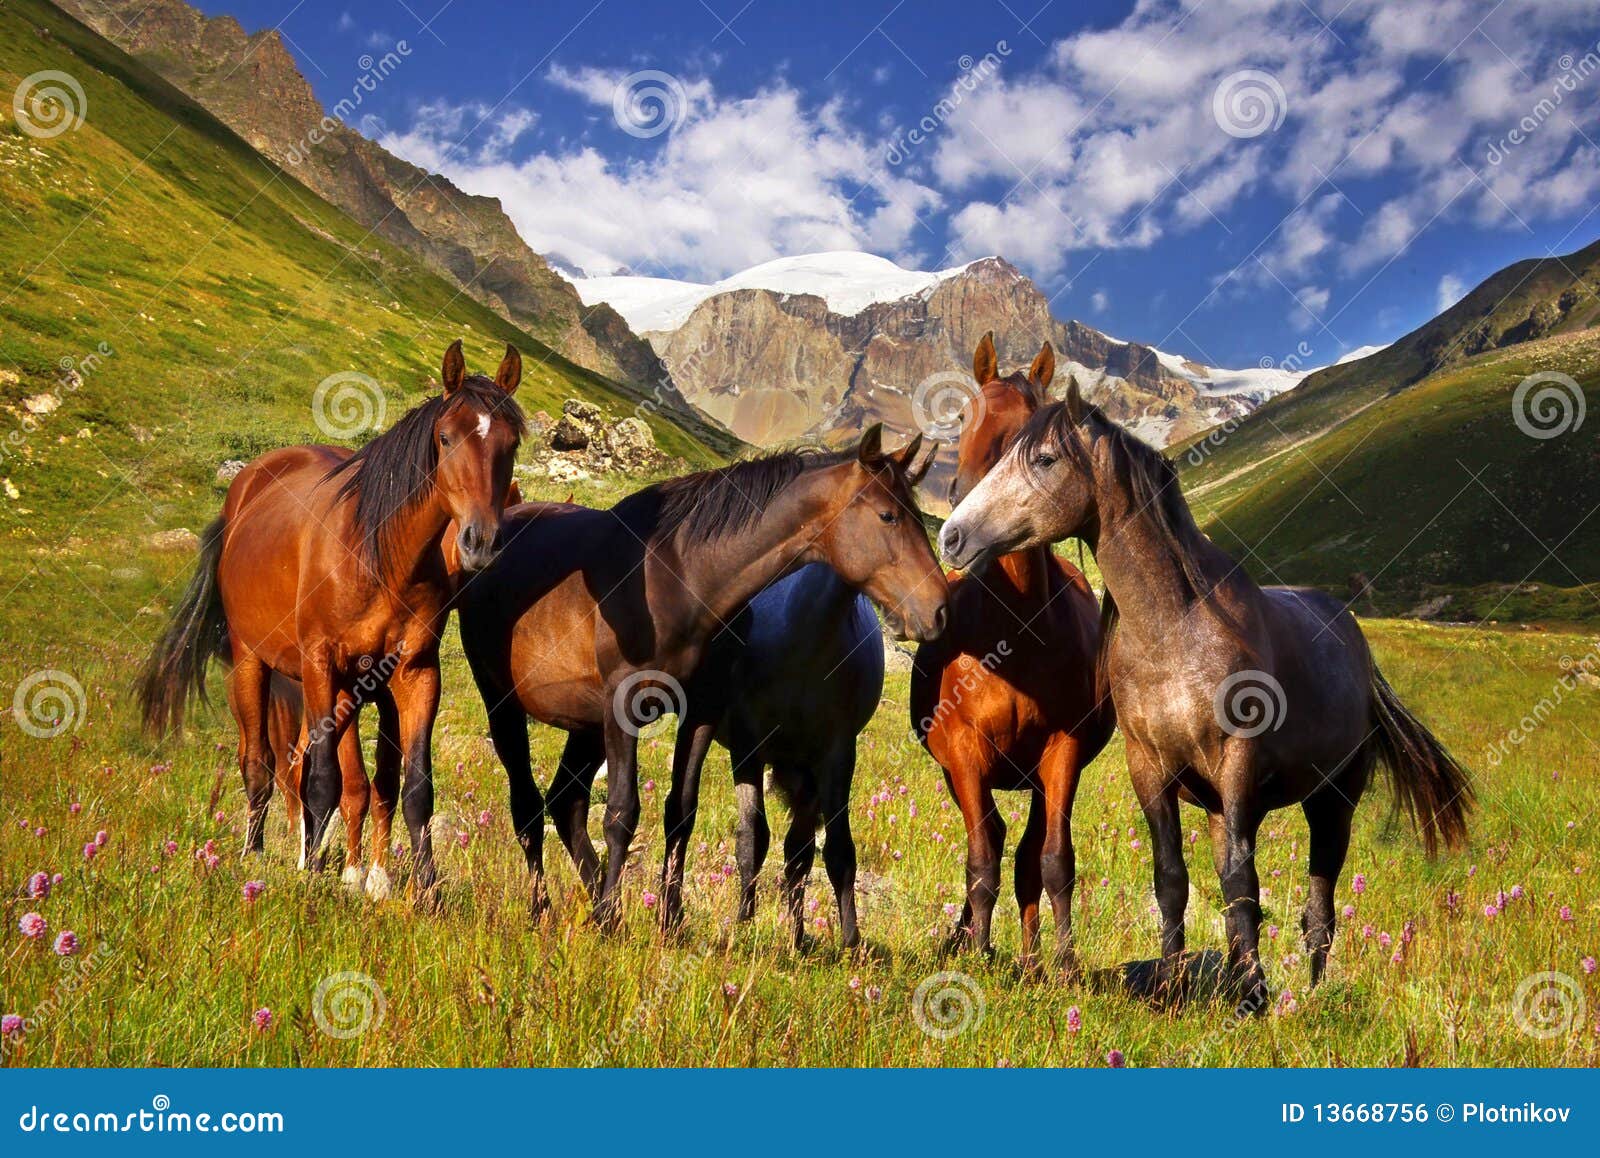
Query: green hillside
x=1429 y=492
x=200 y=295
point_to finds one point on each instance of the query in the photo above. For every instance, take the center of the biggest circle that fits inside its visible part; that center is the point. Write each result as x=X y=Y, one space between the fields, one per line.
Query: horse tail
x=175 y=671
x=1434 y=790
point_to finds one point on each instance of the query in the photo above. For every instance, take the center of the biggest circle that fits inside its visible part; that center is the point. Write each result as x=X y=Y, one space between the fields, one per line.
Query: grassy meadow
x=174 y=961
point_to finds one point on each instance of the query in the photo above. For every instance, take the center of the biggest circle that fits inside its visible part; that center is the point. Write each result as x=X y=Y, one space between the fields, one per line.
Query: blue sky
x=1237 y=180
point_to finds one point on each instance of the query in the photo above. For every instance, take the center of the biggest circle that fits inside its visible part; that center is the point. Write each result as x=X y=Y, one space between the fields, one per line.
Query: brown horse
x=328 y=567
x=287 y=737
x=597 y=622
x=1237 y=698
x=1006 y=699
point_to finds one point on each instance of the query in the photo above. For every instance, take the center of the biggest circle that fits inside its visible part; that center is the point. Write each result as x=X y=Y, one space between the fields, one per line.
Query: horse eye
x=1044 y=459
x=444 y=439
x=889 y=517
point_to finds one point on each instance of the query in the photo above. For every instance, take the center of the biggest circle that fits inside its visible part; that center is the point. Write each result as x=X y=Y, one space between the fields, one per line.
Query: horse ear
x=1043 y=371
x=985 y=364
x=454 y=371
x=914 y=478
x=510 y=372
x=870 y=452
x=1075 y=405
x=906 y=453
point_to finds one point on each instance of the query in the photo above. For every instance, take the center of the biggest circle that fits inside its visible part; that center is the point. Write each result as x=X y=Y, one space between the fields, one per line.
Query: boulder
x=229 y=471
x=177 y=539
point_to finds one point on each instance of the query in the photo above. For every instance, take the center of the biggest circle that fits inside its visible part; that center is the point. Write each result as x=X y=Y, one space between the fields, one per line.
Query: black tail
x=1434 y=790
x=197 y=632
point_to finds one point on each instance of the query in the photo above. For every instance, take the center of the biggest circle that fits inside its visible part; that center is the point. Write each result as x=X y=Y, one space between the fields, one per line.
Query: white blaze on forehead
x=483 y=426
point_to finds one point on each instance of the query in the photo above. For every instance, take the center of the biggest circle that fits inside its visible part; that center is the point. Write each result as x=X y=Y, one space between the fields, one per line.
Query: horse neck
x=727 y=573
x=420 y=527
x=1025 y=571
x=1142 y=569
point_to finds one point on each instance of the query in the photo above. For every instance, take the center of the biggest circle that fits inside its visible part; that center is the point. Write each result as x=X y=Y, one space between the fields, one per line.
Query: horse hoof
x=378 y=886
x=352 y=878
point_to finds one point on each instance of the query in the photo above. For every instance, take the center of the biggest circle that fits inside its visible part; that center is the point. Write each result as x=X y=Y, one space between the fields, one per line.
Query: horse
x=806 y=677
x=328 y=566
x=594 y=621
x=1005 y=699
x=1234 y=697
x=286 y=740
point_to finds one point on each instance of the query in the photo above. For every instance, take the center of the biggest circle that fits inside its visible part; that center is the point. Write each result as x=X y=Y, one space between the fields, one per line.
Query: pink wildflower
x=262 y=1018
x=39 y=886
x=66 y=943
x=33 y=926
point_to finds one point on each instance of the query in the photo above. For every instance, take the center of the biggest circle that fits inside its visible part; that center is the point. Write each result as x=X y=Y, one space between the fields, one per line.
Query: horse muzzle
x=476 y=548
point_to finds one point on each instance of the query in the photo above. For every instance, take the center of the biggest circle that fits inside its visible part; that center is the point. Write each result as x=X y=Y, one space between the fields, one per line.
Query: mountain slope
x=251 y=83
x=170 y=300
x=1434 y=494
x=826 y=343
x=1523 y=302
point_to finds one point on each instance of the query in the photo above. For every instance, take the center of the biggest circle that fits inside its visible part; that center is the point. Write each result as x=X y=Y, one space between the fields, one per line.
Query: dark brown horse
x=328 y=567
x=597 y=622
x=1005 y=698
x=1233 y=697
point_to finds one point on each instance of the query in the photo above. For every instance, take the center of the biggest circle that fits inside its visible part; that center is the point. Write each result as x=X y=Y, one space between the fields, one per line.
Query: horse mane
x=727 y=500
x=1153 y=484
x=395 y=471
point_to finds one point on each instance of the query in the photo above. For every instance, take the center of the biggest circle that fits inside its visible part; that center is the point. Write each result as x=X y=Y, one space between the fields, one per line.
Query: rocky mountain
x=826 y=343
x=251 y=83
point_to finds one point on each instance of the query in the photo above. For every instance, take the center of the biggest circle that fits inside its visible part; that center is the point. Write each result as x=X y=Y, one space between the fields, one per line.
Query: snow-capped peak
x=849 y=282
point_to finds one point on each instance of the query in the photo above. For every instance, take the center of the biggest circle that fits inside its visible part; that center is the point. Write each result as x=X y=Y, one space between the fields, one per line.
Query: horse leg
x=986 y=834
x=415 y=689
x=508 y=730
x=799 y=854
x=1158 y=797
x=1241 y=887
x=568 y=804
x=839 y=846
x=750 y=846
x=354 y=800
x=695 y=733
x=1058 y=862
x=1028 y=879
x=328 y=709
x=385 y=793
x=247 y=696
x=1328 y=814
x=622 y=814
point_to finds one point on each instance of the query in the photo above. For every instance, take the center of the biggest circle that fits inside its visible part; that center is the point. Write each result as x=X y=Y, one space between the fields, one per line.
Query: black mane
x=395 y=471
x=725 y=501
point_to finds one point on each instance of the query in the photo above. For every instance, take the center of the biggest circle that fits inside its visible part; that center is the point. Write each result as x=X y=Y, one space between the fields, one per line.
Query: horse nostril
x=952 y=539
x=940 y=618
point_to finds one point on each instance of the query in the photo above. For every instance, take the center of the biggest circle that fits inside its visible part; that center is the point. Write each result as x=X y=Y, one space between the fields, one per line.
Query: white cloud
x=1451 y=290
x=737 y=182
x=1100 y=300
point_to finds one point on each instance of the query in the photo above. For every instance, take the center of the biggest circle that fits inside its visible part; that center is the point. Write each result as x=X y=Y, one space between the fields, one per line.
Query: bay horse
x=1005 y=699
x=1234 y=697
x=286 y=741
x=328 y=566
x=806 y=679
x=596 y=622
